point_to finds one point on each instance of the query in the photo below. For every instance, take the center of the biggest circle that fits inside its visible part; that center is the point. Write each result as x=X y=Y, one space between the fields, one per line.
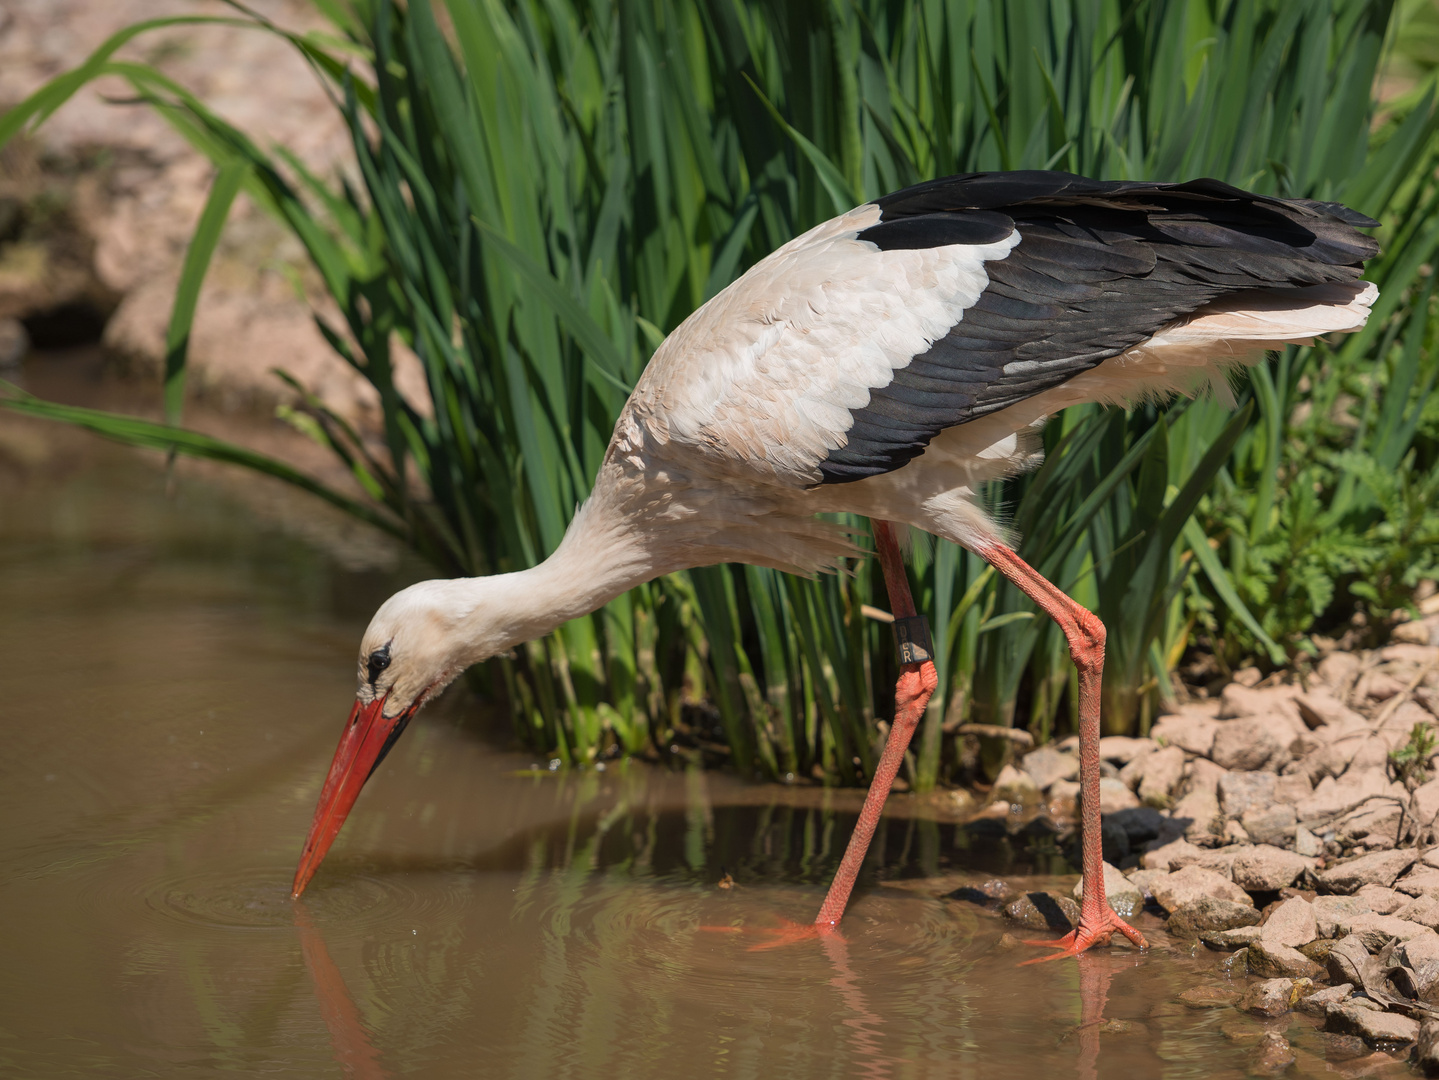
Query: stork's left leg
x=917 y=682
x=1085 y=634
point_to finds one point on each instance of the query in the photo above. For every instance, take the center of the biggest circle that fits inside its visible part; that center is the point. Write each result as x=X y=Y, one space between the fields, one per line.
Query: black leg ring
x=912 y=640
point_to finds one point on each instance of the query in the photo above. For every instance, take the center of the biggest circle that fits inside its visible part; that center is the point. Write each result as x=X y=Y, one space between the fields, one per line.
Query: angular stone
x=1242 y=701
x=1292 y=923
x=1318 y=950
x=1043 y=911
x=1376 y=868
x=1143 y=880
x=1063 y=804
x=1320 y=709
x=1209 y=997
x=1418 y=959
x=1272 y=1055
x=1373 y=825
x=1238 y=938
x=1331 y=798
x=1274 y=823
x=1420 y=881
x=1293 y=788
x=1272 y=997
x=1426 y=1053
x=1348 y=960
x=1220 y=860
x=1382 y=901
x=1330 y=912
x=1126 y=900
x=1246 y=744
x=1280 y=962
x=1376 y=931
x=1122 y=749
x=1338 y=671
x=1189 y=729
x=1171 y=856
x=1206 y=914
x=1306 y=843
x=1319 y=1002
x=1198 y=811
x=1162 y=772
x=1426 y=803
x=1375 y=1028
x=1046 y=765
x=1191 y=883
x=1114 y=796
x=1423 y=910
x=1264 y=868
x=1238 y=791
x=1016 y=787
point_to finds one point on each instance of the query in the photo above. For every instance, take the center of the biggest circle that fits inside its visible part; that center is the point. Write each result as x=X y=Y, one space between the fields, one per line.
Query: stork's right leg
x=1085 y=634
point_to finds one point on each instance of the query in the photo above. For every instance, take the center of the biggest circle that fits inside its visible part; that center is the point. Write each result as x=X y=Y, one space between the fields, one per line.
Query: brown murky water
x=173 y=678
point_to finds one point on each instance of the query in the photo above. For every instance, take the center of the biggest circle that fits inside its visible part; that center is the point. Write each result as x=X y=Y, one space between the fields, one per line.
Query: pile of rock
x=1271 y=824
x=1266 y=785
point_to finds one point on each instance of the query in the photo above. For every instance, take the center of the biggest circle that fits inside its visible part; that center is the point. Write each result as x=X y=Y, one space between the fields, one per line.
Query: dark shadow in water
x=351 y=1042
x=755 y=845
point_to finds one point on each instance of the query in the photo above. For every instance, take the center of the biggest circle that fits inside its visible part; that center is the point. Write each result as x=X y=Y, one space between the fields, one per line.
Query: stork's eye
x=378 y=661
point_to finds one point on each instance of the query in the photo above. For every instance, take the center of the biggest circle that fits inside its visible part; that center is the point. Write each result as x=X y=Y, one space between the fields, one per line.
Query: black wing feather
x=1100 y=267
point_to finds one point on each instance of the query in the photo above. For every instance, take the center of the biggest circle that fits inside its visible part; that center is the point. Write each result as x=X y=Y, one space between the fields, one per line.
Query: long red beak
x=367 y=739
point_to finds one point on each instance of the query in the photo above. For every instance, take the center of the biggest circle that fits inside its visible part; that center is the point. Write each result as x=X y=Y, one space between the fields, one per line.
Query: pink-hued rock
x=1189 y=884
x=1334 y=912
x=1246 y=744
x=1423 y=910
x=1191 y=728
x=1121 y=749
x=1376 y=868
x=1321 y=709
x=1238 y=791
x=1376 y=931
x=1373 y=1027
x=1161 y=774
x=1338 y=671
x=1046 y=765
x=1240 y=701
x=1269 y=960
x=1382 y=901
x=1263 y=868
x=1198 y=801
x=1273 y=997
x=1143 y=880
x=1274 y=823
x=1421 y=881
x=1171 y=856
x=1331 y=797
x=1114 y=796
x=1292 y=923
x=1293 y=789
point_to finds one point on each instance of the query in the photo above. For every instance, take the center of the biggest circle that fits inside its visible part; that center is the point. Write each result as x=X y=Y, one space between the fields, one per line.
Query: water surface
x=175 y=667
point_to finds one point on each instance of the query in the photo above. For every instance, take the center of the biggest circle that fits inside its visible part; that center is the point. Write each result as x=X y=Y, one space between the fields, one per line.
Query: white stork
x=888 y=363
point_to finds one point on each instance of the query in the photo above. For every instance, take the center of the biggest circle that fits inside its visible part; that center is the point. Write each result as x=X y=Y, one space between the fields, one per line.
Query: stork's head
x=419 y=640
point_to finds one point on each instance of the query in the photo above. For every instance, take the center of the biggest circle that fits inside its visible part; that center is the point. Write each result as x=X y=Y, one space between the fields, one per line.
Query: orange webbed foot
x=1094 y=929
x=777 y=937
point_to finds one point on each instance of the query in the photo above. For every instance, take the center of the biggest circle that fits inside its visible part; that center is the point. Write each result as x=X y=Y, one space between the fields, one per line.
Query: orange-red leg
x=911 y=696
x=1085 y=634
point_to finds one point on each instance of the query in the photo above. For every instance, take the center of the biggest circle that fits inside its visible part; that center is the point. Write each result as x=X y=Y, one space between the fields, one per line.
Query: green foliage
x=1411 y=761
x=547 y=187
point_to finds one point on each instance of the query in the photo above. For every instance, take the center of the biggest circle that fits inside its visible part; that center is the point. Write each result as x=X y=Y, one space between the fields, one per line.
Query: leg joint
x=1086 y=643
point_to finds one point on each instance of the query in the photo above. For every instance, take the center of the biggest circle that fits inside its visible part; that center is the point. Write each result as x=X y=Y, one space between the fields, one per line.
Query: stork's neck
x=600 y=557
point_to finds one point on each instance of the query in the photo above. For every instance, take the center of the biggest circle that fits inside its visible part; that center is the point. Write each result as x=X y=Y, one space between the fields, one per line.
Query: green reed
x=548 y=187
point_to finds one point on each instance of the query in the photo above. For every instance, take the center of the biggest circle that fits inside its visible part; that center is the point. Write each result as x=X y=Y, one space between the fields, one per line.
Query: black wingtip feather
x=1100 y=267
